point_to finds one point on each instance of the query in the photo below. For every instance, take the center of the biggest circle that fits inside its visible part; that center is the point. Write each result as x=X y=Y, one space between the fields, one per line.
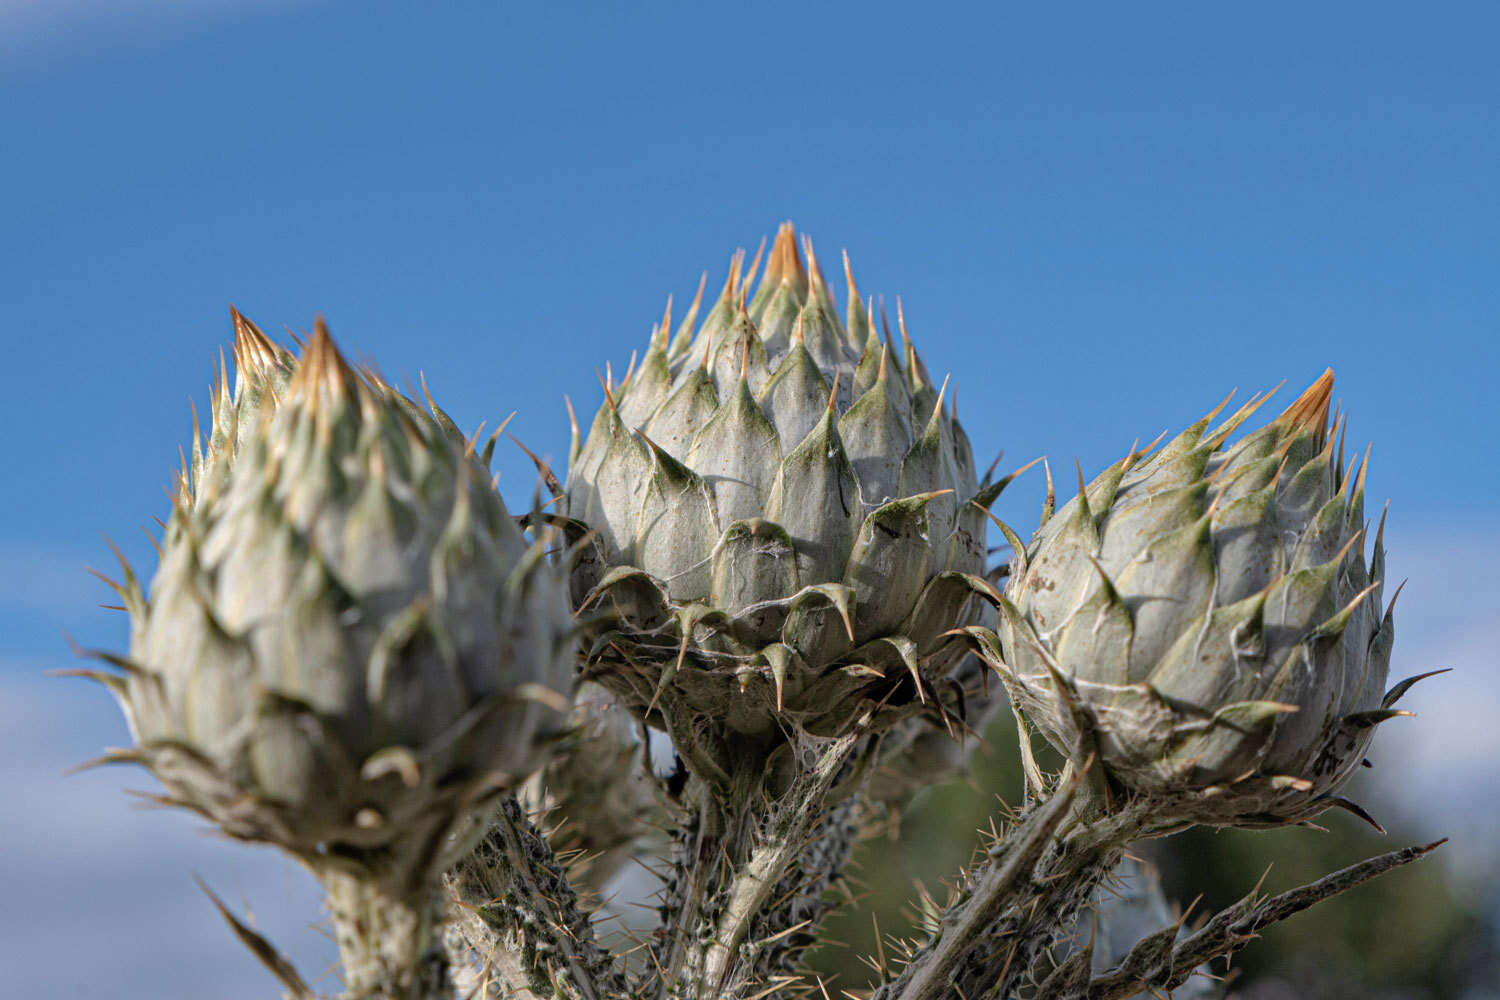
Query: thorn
x=755 y=264
x=1351 y=806
x=938 y=408
x=666 y=325
x=1049 y=505
x=1364 y=466
x=727 y=294
x=1309 y=411
x=1354 y=540
x=474 y=438
x=1392 y=606
x=541 y=466
x=698 y=298
x=629 y=371
x=1136 y=456
x=609 y=396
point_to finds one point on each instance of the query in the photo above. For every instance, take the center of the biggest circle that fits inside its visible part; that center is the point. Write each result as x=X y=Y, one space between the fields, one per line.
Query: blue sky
x=1099 y=221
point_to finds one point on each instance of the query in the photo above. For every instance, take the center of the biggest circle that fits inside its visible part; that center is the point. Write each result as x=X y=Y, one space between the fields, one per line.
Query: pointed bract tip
x=785 y=263
x=666 y=325
x=1364 y=467
x=252 y=348
x=1222 y=403
x=937 y=408
x=1025 y=468
x=322 y=367
x=426 y=393
x=1309 y=411
x=732 y=279
x=1394 y=598
x=609 y=395
x=219 y=388
x=1049 y=502
x=629 y=371
x=755 y=264
x=814 y=270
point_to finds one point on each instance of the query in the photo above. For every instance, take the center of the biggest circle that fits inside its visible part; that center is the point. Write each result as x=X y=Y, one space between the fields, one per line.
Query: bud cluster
x=771 y=544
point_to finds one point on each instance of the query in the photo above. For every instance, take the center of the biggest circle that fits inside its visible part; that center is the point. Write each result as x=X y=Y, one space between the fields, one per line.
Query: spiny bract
x=1207 y=616
x=349 y=645
x=262 y=370
x=785 y=512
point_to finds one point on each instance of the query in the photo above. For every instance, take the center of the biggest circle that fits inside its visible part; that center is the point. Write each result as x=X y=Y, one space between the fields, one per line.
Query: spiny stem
x=744 y=853
x=389 y=947
x=515 y=903
x=752 y=885
x=1022 y=898
x=1234 y=926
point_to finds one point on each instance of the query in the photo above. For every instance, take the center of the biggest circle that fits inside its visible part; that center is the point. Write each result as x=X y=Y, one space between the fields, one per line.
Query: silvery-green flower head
x=349 y=645
x=1205 y=615
x=785 y=512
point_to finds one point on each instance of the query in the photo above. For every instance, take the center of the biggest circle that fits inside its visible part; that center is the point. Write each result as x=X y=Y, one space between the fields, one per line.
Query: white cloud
x=39 y=12
x=1439 y=773
x=37 y=31
x=100 y=898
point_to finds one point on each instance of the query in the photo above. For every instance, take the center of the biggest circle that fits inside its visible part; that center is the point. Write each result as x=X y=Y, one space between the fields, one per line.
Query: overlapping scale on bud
x=351 y=646
x=785 y=511
x=1205 y=616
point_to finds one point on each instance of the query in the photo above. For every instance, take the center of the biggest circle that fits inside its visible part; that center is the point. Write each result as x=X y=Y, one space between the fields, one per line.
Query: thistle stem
x=388 y=945
x=1022 y=899
x=724 y=933
x=520 y=916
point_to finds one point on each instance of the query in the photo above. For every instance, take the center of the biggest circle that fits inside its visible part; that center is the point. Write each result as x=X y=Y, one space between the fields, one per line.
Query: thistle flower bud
x=1205 y=613
x=349 y=646
x=788 y=520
